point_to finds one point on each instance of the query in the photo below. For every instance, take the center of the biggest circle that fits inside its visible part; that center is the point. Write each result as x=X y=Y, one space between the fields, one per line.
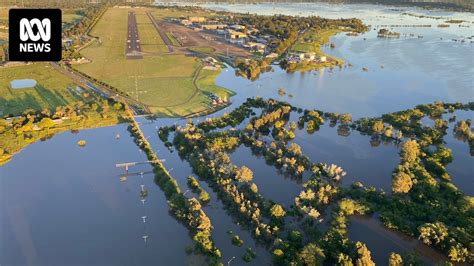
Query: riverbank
x=18 y=132
x=307 y=53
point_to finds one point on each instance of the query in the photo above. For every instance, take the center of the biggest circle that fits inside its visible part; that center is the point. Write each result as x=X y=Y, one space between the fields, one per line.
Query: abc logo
x=35 y=34
x=26 y=29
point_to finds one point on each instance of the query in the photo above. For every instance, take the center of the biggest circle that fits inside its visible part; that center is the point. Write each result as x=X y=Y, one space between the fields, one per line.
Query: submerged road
x=133 y=49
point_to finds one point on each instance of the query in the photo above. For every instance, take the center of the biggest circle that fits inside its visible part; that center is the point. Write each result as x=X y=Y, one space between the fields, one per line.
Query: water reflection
x=382 y=241
x=363 y=160
x=415 y=71
x=221 y=220
x=271 y=183
x=62 y=203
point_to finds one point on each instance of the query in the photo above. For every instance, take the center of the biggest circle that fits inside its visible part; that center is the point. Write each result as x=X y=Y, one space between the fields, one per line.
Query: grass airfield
x=162 y=80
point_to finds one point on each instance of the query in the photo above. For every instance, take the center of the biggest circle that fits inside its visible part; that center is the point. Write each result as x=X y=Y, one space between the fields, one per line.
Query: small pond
x=23 y=83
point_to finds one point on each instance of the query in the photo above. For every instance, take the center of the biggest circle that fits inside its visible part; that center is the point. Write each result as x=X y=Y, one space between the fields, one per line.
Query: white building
x=237 y=27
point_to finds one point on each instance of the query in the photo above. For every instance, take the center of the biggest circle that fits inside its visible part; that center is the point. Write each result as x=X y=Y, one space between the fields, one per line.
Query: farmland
x=163 y=81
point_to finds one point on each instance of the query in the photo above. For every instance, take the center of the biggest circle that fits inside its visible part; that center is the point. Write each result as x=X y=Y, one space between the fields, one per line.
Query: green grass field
x=149 y=40
x=206 y=83
x=164 y=81
x=160 y=13
x=51 y=90
x=313 y=43
x=70 y=19
x=319 y=38
x=173 y=39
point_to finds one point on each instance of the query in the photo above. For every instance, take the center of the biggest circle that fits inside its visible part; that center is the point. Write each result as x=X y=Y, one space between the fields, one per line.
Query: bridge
x=129 y=164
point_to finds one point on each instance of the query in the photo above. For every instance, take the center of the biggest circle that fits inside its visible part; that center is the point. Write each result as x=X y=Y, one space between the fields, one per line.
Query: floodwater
x=382 y=241
x=272 y=184
x=221 y=220
x=401 y=72
x=462 y=167
x=22 y=83
x=370 y=163
x=61 y=203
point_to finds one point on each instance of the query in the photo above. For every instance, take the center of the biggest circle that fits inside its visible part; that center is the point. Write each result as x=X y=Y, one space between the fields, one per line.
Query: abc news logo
x=35 y=35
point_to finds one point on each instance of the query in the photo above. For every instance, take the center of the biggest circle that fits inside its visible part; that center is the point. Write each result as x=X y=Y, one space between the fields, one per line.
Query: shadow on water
x=462 y=167
x=221 y=220
x=355 y=153
x=382 y=241
x=271 y=182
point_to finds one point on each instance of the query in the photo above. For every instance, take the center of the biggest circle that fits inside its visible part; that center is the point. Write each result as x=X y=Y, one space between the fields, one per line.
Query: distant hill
x=458 y=5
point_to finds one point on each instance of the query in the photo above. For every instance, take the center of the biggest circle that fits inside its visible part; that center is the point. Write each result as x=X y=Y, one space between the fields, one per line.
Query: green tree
x=364 y=257
x=458 y=253
x=433 y=233
x=203 y=239
x=311 y=254
x=410 y=151
x=395 y=259
x=345 y=118
x=46 y=123
x=402 y=183
x=295 y=149
x=378 y=126
x=254 y=188
x=277 y=211
x=244 y=174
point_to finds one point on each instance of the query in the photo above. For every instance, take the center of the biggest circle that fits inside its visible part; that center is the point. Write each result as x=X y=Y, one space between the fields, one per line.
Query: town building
x=185 y=22
x=255 y=47
x=239 y=41
x=213 y=26
x=236 y=34
x=237 y=27
x=197 y=19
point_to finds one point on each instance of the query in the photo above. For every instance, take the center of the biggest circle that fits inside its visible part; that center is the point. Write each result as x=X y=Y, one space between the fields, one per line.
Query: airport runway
x=133 y=49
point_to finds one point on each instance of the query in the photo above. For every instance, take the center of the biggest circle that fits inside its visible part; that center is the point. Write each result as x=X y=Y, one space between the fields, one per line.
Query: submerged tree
x=395 y=259
x=402 y=183
x=410 y=151
x=277 y=211
x=244 y=174
x=311 y=254
x=364 y=257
